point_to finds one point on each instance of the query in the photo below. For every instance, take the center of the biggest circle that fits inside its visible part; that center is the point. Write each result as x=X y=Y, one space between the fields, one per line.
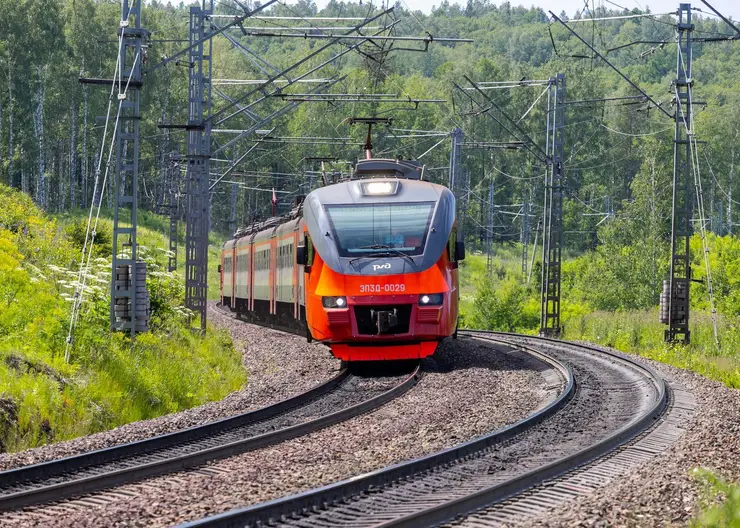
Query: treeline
x=618 y=154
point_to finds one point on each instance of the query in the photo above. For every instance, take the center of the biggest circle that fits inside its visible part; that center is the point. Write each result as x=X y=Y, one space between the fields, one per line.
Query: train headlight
x=430 y=299
x=334 y=302
x=379 y=188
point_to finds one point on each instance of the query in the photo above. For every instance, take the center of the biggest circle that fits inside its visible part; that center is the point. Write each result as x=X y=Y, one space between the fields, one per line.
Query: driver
x=395 y=240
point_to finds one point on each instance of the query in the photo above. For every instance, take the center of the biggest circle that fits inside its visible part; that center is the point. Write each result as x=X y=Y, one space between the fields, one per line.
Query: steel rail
x=57 y=469
x=449 y=510
x=270 y=512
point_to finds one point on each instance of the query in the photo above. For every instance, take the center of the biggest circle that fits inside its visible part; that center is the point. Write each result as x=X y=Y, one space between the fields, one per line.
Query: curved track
x=614 y=400
x=339 y=399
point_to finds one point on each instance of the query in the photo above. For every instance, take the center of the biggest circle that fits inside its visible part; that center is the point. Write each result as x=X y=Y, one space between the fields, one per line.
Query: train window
x=368 y=229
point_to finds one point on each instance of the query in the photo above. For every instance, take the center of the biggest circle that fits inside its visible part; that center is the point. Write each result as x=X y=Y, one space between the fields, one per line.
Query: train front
x=381 y=280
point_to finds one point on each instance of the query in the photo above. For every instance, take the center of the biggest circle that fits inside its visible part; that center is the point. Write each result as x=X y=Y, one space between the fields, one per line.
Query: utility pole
x=553 y=227
x=174 y=208
x=129 y=300
x=680 y=271
x=198 y=161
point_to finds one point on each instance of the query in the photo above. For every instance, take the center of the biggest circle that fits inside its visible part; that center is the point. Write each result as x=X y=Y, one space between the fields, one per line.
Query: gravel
x=279 y=365
x=662 y=492
x=469 y=389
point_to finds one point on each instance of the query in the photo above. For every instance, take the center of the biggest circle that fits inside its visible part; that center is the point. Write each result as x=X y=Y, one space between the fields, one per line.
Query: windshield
x=370 y=229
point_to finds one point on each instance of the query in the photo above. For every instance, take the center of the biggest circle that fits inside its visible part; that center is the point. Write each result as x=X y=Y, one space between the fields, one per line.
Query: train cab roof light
x=380 y=188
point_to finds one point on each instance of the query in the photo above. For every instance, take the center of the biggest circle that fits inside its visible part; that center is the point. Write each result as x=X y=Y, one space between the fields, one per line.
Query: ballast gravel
x=279 y=366
x=663 y=492
x=468 y=389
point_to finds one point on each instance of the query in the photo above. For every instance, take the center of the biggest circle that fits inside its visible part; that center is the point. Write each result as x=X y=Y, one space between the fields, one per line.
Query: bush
x=720 y=501
x=504 y=305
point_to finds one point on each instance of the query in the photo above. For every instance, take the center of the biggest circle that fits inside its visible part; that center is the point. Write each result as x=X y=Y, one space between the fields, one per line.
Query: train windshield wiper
x=389 y=251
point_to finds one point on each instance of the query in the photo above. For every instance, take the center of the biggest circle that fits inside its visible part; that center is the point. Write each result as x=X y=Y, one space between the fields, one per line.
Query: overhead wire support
x=426 y=40
x=198 y=161
x=677 y=314
x=524 y=138
x=128 y=298
x=657 y=104
x=220 y=117
x=237 y=19
x=553 y=211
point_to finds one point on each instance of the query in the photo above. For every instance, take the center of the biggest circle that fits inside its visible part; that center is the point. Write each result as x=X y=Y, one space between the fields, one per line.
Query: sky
x=729 y=8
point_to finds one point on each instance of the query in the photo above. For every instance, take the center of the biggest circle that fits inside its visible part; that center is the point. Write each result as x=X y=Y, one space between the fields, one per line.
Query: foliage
x=497 y=302
x=720 y=501
x=503 y=305
x=107 y=382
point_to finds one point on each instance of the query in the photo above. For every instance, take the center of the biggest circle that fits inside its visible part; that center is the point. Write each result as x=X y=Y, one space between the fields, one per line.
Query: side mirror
x=459 y=250
x=219 y=268
x=300 y=255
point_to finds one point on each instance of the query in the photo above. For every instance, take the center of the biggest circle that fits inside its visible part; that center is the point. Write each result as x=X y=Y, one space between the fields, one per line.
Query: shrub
x=720 y=501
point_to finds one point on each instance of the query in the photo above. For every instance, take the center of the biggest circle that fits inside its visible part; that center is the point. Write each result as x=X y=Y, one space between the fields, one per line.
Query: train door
x=273 y=271
x=250 y=277
x=297 y=268
x=234 y=272
x=221 y=278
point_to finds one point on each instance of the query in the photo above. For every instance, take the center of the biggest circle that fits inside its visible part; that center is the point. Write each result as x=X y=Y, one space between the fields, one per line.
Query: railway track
x=608 y=401
x=343 y=397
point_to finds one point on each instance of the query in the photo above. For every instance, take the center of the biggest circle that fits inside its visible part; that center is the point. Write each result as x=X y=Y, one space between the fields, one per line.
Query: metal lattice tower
x=126 y=181
x=173 y=200
x=198 y=161
x=455 y=176
x=680 y=278
x=553 y=228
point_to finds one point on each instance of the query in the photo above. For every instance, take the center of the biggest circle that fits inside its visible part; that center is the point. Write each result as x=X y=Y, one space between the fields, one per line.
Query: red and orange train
x=367 y=266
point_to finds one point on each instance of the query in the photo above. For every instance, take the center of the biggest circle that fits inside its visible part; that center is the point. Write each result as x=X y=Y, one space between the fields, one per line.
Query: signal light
x=334 y=302
x=431 y=299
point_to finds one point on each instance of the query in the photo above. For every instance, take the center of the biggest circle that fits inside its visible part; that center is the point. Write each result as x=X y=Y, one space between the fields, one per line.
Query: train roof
x=388 y=168
x=362 y=191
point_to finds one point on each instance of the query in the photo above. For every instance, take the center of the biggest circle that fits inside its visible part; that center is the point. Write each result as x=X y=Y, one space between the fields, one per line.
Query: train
x=367 y=266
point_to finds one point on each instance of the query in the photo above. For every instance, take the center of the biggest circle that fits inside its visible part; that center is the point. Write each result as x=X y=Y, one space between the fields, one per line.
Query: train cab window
x=368 y=229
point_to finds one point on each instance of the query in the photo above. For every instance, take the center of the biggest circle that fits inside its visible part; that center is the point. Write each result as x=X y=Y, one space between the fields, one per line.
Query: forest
x=618 y=154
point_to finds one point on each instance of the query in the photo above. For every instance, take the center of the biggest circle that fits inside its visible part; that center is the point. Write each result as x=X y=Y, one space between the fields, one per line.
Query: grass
x=105 y=382
x=640 y=332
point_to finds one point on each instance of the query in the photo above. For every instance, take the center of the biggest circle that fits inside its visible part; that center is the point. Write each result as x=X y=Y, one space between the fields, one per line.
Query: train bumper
x=358 y=352
x=382 y=327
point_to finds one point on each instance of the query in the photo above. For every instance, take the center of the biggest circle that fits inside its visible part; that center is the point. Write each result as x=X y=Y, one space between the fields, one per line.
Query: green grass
x=720 y=501
x=640 y=332
x=105 y=382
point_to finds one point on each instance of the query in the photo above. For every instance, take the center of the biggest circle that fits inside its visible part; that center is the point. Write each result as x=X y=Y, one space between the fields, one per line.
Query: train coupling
x=384 y=320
